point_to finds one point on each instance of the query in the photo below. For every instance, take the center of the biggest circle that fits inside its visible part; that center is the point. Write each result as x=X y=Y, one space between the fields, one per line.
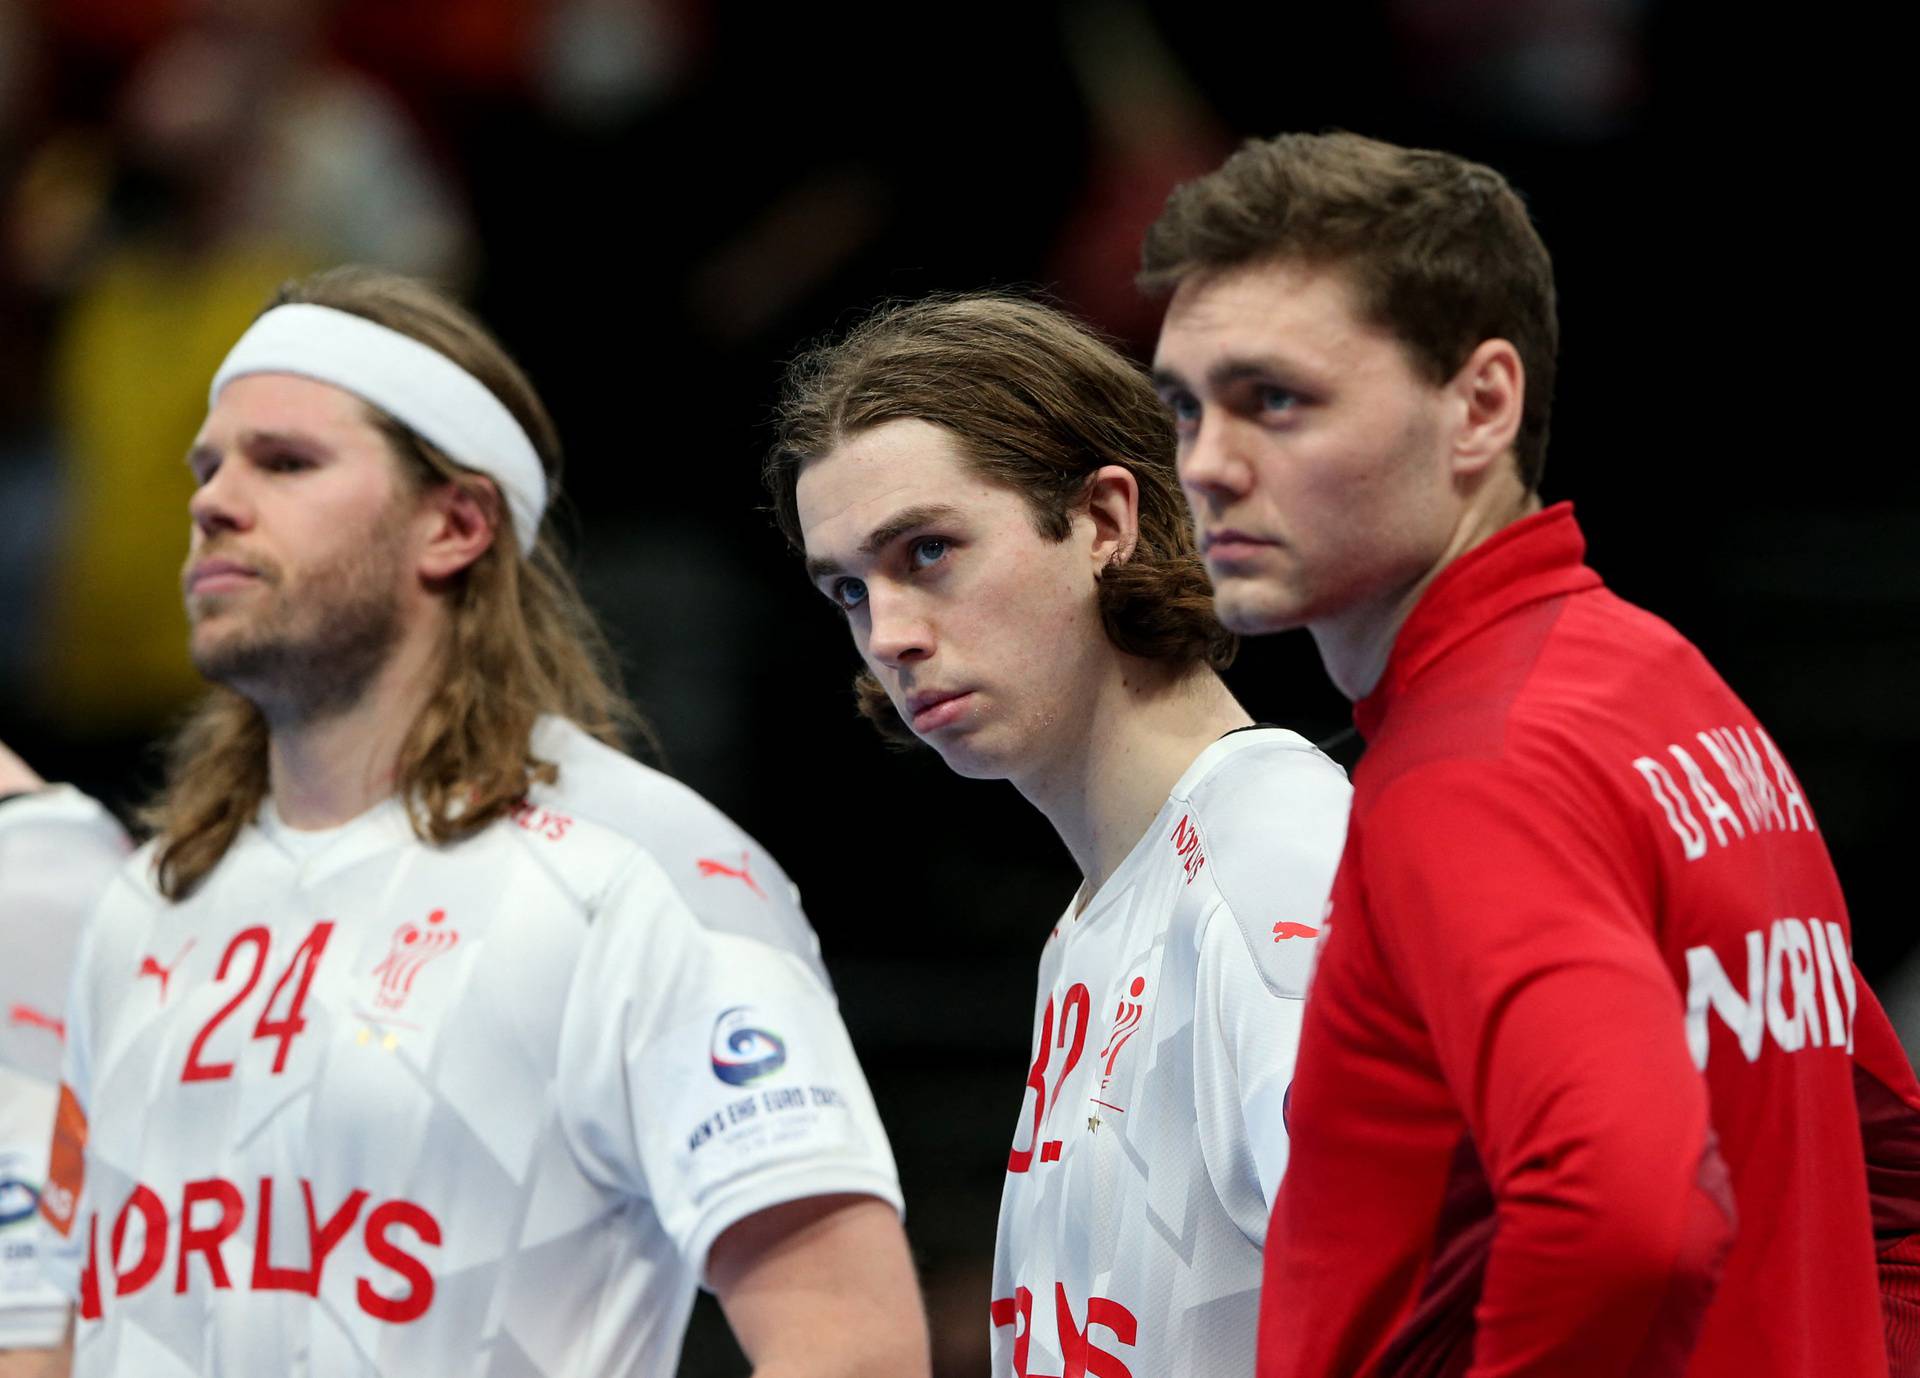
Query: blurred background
x=654 y=202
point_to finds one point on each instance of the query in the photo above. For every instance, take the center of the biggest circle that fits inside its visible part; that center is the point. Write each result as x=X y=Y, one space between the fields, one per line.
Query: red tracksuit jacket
x=1588 y=1084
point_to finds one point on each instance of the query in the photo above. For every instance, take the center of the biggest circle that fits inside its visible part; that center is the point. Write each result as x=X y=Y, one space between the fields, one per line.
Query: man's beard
x=312 y=650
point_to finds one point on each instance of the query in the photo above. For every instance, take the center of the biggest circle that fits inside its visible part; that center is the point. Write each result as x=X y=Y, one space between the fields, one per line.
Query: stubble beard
x=312 y=652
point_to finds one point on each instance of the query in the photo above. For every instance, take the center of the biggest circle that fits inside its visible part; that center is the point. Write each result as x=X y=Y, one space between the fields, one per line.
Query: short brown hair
x=1441 y=250
x=1037 y=402
x=520 y=640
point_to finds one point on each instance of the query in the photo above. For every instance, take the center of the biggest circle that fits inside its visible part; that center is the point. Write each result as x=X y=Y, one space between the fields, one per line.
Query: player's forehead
x=873 y=480
x=1284 y=311
x=285 y=403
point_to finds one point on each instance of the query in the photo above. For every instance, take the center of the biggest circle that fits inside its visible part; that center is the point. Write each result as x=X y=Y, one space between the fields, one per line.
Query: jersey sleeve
x=708 y=1071
x=1512 y=921
x=1273 y=843
x=58 y=852
x=1889 y=1102
x=1245 y=1039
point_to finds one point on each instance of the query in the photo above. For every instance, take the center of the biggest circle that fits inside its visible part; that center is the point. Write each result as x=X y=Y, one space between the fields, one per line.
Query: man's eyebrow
x=254 y=439
x=1165 y=378
x=885 y=534
x=1230 y=371
x=1224 y=374
x=292 y=440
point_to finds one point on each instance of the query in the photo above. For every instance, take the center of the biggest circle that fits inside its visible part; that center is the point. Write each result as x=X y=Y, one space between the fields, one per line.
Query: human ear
x=1113 y=506
x=462 y=519
x=1491 y=388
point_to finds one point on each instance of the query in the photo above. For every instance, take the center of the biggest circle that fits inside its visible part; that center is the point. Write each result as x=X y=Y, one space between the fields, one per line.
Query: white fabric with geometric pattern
x=1152 y=1134
x=368 y=1106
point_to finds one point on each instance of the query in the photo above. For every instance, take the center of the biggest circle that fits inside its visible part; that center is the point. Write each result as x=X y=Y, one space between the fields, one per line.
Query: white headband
x=411 y=382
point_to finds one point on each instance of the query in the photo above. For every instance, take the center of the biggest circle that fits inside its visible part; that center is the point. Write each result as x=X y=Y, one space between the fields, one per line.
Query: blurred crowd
x=165 y=164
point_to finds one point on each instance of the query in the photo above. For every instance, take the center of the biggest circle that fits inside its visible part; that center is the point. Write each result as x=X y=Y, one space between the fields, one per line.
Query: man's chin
x=966 y=756
x=1254 y=611
x=230 y=658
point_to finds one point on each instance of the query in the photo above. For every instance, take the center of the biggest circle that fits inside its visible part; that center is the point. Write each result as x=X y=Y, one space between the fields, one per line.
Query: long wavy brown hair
x=520 y=641
x=1038 y=402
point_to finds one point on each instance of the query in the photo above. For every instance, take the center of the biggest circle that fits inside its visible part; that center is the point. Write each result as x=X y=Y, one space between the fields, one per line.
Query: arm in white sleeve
x=58 y=852
x=709 y=1071
x=1274 y=837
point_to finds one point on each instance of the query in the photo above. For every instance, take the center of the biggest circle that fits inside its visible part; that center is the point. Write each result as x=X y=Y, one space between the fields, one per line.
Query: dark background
x=655 y=202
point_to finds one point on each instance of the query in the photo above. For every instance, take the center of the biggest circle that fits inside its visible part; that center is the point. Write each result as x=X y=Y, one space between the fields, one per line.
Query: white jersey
x=58 y=851
x=1153 y=1135
x=364 y=1106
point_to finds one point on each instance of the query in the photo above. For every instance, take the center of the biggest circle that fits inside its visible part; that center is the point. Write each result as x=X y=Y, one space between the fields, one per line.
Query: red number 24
x=269 y=1026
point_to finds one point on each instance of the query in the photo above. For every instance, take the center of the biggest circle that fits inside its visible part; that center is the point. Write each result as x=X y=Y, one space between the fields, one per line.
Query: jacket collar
x=1537 y=557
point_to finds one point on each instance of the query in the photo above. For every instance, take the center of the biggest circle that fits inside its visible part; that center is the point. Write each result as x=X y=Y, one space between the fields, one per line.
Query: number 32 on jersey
x=1073 y=1011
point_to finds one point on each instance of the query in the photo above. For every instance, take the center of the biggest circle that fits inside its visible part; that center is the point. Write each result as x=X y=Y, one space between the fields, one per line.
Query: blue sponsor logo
x=18 y=1201
x=743 y=1054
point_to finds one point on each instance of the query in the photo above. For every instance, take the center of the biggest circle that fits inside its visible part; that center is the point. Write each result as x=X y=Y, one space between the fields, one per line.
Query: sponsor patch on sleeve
x=67 y=1163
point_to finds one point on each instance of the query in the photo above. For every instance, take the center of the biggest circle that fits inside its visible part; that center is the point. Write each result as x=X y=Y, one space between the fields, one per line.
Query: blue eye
x=1275 y=399
x=848 y=593
x=927 y=550
x=1183 y=406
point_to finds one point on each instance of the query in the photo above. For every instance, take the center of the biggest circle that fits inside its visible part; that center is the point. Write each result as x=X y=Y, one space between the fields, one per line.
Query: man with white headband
x=430 y=1034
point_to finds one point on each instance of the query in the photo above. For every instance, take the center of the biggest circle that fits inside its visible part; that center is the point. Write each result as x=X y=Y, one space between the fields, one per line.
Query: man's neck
x=1136 y=738
x=329 y=768
x=1356 y=643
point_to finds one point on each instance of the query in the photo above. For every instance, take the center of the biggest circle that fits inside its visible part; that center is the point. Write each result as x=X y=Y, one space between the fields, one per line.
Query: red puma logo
x=35 y=1019
x=1286 y=928
x=150 y=966
x=744 y=873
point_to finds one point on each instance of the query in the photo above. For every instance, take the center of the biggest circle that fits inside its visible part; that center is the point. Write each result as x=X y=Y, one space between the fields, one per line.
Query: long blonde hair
x=520 y=641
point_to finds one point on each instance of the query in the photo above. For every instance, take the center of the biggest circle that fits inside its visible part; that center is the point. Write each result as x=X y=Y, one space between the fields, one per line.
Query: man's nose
x=220 y=503
x=899 y=632
x=1212 y=464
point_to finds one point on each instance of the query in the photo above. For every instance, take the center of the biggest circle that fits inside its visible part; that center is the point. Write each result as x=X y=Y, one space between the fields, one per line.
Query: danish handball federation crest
x=743 y=1054
x=1126 y=1021
x=413 y=947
